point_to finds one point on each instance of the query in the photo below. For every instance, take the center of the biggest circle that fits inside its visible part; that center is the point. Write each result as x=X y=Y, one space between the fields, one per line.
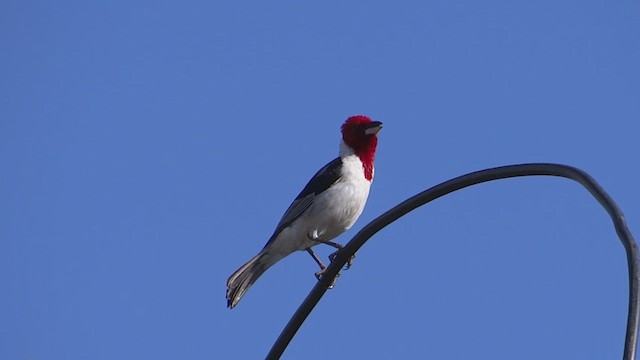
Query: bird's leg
x=339 y=247
x=315 y=238
x=330 y=243
x=318 y=261
x=322 y=267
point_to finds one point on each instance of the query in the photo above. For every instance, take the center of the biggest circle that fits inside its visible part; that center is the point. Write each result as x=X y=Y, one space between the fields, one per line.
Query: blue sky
x=148 y=149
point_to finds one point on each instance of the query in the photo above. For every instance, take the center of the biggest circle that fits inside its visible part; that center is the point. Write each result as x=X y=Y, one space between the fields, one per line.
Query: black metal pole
x=458 y=183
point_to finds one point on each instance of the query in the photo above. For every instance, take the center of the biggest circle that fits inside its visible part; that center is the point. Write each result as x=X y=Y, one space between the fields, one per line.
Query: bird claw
x=319 y=275
x=332 y=257
x=348 y=264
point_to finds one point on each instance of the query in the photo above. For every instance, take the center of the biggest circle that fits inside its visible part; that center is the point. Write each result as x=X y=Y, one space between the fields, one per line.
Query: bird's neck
x=365 y=153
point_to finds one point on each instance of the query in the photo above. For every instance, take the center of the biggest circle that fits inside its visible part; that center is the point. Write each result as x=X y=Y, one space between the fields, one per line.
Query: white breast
x=333 y=211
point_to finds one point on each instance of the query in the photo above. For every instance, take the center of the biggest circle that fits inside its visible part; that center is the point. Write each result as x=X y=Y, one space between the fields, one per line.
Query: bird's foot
x=320 y=273
x=348 y=264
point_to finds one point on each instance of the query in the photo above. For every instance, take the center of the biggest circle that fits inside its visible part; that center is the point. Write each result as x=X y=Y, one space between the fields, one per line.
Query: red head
x=359 y=133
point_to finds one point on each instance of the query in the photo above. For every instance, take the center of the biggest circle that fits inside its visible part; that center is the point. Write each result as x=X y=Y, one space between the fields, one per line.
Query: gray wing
x=320 y=182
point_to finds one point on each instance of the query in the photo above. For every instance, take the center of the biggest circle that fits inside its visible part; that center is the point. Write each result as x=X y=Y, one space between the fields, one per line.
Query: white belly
x=332 y=213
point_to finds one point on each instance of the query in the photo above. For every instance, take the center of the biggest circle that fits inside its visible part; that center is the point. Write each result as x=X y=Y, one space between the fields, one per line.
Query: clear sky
x=148 y=149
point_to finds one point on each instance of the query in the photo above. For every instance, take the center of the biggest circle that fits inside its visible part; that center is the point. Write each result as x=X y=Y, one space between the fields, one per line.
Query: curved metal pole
x=458 y=183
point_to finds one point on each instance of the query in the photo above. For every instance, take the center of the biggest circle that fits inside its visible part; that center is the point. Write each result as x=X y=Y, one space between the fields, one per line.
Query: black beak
x=372 y=128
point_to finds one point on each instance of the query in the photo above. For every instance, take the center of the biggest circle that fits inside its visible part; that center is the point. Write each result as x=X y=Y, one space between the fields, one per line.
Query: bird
x=327 y=206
